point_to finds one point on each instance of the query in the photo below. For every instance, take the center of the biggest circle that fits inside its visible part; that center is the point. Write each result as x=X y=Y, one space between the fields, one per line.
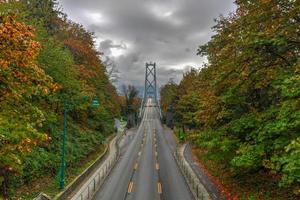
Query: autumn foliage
x=45 y=59
x=21 y=79
x=244 y=104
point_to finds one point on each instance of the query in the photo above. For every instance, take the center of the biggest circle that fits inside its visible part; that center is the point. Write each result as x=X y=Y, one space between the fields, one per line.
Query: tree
x=131 y=104
x=111 y=68
x=21 y=79
x=38 y=72
x=245 y=100
x=168 y=94
x=251 y=65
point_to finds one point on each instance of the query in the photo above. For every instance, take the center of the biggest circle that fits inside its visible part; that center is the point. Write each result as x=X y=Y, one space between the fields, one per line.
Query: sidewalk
x=85 y=184
x=213 y=191
x=85 y=191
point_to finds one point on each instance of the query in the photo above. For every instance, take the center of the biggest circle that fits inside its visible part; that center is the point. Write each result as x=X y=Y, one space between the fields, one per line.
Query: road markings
x=214 y=195
x=130 y=187
x=139 y=153
x=156 y=153
x=136 y=166
x=159 y=189
x=157 y=166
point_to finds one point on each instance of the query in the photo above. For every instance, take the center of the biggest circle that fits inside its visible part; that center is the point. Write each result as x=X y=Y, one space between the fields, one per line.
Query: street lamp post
x=95 y=103
x=63 y=147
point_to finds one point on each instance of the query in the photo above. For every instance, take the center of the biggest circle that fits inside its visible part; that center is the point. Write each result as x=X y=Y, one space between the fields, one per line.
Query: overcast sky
x=132 y=32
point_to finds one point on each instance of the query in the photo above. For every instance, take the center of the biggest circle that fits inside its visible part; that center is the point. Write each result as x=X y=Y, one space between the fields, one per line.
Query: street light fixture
x=95 y=103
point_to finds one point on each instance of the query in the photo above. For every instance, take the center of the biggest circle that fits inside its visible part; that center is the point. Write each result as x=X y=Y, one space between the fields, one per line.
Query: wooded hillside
x=45 y=60
x=243 y=106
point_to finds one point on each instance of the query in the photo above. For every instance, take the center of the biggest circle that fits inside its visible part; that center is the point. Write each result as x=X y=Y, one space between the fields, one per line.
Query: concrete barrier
x=90 y=187
x=195 y=185
x=67 y=192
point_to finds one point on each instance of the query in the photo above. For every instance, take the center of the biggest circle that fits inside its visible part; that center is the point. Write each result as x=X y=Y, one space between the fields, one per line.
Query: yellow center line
x=157 y=166
x=130 y=187
x=159 y=189
x=136 y=166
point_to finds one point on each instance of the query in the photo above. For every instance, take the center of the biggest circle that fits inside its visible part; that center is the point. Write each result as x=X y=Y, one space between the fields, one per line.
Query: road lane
x=146 y=169
x=145 y=177
x=115 y=186
x=174 y=185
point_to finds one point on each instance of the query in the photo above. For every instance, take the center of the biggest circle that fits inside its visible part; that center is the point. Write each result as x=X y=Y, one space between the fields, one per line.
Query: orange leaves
x=17 y=46
x=82 y=52
x=20 y=79
x=265 y=1
x=18 y=53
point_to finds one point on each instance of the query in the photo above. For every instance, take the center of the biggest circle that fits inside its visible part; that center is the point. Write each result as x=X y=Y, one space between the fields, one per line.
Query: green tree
x=245 y=100
x=21 y=80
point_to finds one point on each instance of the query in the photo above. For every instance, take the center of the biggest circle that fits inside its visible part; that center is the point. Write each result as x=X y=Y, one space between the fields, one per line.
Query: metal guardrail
x=98 y=178
x=196 y=187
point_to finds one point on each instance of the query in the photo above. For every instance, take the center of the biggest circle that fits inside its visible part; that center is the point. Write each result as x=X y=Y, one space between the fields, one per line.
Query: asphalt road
x=146 y=169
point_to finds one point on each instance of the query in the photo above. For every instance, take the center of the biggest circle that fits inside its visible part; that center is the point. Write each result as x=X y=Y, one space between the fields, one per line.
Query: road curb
x=195 y=185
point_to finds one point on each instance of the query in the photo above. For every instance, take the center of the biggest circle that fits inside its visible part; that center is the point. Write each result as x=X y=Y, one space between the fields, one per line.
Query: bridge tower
x=150 y=90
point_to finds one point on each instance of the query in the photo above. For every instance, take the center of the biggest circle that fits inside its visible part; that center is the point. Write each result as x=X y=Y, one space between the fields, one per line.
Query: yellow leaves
x=27 y=140
x=46 y=90
x=3 y=63
x=18 y=161
x=47 y=137
x=56 y=87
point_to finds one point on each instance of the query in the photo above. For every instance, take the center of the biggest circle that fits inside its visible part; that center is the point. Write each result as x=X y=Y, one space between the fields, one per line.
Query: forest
x=45 y=61
x=241 y=110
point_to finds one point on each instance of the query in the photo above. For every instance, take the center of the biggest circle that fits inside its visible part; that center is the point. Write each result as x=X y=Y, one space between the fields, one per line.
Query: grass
x=49 y=185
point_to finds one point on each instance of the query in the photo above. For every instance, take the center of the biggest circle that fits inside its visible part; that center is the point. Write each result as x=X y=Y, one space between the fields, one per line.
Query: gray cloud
x=107 y=45
x=132 y=32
